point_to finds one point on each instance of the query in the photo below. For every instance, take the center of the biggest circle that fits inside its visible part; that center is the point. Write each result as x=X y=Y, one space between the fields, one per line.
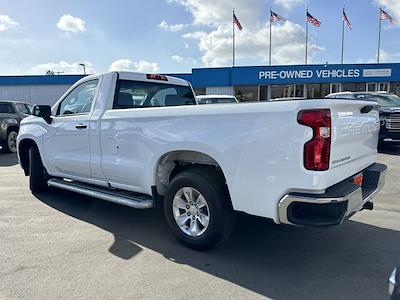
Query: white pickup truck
x=142 y=141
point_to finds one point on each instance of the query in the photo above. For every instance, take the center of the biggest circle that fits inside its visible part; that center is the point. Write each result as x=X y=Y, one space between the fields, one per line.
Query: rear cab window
x=142 y=94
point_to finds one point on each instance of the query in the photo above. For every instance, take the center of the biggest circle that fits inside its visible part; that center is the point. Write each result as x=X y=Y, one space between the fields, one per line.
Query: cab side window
x=80 y=100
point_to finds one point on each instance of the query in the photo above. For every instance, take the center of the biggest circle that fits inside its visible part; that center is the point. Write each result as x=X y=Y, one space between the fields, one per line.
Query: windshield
x=216 y=100
x=384 y=100
x=23 y=108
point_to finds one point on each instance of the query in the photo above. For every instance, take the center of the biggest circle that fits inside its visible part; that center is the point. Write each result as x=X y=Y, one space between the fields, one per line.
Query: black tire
x=10 y=144
x=37 y=172
x=214 y=190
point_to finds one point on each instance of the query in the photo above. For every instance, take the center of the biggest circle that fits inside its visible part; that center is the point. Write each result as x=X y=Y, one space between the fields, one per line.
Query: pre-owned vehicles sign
x=306 y=74
x=300 y=74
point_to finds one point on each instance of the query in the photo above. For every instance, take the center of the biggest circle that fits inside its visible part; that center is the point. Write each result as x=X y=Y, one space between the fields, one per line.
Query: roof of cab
x=135 y=76
x=215 y=96
x=143 y=77
x=12 y=101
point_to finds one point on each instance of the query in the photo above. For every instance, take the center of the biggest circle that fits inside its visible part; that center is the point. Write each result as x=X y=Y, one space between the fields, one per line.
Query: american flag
x=312 y=20
x=385 y=16
x=275 y=17
x=346 y=20
x=236 y=21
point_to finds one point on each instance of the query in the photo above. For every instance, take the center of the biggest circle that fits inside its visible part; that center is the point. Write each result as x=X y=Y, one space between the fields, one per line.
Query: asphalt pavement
x=63 y=245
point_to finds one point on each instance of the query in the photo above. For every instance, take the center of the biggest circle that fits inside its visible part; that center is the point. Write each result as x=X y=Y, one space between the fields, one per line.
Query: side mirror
x=43 y=111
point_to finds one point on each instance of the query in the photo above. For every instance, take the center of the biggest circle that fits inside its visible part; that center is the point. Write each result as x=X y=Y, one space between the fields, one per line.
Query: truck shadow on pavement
x=8 y=159
x=351 y=261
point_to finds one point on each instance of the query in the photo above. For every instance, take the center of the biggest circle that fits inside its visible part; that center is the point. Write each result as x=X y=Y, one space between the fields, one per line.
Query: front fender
x=5 y=125
x=34 y=132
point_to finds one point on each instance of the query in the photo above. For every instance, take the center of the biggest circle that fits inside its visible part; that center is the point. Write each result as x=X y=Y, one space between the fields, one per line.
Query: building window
x=299 y=90
x=246 y=93
x=287 y=91
x=384 y=86
x=395 y=88
x=200 y=91
x=335 y=87
x=371 y=87
x=281 y=91
x=354 y=87
x=264 y=93
x=317 y=90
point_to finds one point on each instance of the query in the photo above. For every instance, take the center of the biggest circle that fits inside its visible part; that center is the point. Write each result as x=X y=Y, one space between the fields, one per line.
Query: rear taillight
x=317 y=150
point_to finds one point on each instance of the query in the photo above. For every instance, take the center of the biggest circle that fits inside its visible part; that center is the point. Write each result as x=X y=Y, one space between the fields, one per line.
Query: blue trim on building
x=253 y=75
x=294 y=74
x=184 y=76
x=39 y=79
x=212 y=77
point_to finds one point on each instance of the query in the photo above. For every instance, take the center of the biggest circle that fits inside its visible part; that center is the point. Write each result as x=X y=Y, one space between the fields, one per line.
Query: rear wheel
x=37 y=172
x=198 y=209
x=10 y=145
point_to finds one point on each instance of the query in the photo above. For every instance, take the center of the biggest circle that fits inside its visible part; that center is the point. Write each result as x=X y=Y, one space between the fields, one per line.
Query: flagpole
x=379 y=34
x=270 y=37
x=233 y=38
x=306 y=38
x=341 y=60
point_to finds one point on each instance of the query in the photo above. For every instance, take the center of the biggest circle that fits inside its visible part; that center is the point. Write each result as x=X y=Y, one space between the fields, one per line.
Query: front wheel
x=10 y=145
x=198 y=209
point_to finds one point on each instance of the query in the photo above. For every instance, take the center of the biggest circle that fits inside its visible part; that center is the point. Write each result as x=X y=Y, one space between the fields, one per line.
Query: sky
x=174 y=36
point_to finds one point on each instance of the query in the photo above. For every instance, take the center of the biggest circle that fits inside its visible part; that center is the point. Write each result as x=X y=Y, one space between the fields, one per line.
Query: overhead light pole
x=84 y=68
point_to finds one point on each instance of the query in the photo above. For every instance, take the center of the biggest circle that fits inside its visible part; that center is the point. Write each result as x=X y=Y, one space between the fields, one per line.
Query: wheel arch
x=173 y=162
x=11 y=127
x=23 y=153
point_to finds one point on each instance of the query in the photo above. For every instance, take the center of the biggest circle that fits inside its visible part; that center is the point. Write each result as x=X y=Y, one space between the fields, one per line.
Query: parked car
x=216 y=99
x=297 y=162
x=11 y=113
x=389 y=112
x=394 y=284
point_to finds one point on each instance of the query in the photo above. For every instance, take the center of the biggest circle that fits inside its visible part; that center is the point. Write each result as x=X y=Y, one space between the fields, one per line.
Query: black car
x=11 y=114
x=389 y=112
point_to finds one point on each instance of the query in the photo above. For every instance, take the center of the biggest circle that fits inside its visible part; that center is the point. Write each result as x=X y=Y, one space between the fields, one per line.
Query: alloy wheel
x=191 y=211
x=12 y=141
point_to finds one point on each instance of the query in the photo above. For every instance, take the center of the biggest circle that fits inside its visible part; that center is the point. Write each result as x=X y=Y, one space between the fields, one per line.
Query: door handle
x=80 y=126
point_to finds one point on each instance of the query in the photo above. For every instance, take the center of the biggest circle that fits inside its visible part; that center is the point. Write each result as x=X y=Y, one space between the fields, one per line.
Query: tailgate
x=355 y=134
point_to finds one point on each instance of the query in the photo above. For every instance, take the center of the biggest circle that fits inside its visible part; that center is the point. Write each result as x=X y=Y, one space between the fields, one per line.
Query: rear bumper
x=338 y=203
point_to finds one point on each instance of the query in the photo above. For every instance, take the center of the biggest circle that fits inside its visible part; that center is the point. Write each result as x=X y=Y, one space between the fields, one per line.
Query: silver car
x=216 y=99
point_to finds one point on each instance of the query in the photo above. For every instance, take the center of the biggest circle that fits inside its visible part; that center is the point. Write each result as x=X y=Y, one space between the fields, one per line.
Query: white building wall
x=220 y=90
x=33 y=94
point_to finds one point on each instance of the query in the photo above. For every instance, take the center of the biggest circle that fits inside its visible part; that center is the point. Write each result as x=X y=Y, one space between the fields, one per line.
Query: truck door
x=66 y=143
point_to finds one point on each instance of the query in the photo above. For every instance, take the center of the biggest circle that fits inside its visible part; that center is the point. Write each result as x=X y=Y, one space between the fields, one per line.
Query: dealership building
x=248 y=83
x=265 y=83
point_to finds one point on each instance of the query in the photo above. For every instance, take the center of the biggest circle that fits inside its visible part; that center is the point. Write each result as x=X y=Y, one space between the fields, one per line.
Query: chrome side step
x=135 y=201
